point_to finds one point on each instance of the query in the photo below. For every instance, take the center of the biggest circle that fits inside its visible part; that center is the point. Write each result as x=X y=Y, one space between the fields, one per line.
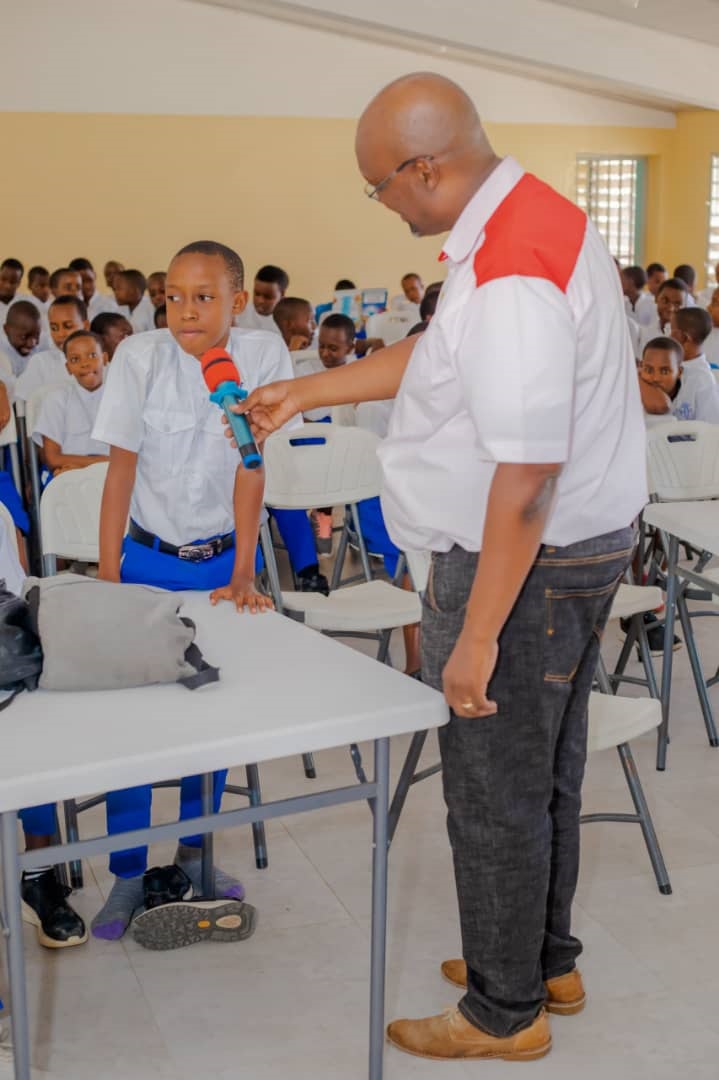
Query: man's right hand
x=267 y=409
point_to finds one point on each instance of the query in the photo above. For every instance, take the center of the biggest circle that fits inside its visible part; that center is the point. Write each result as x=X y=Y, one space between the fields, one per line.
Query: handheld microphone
x=225 y=385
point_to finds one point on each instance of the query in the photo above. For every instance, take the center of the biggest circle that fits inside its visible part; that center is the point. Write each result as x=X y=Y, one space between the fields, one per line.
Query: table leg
x=663 y=735
x=208 y=859
x=379 y=909
x=16 y=959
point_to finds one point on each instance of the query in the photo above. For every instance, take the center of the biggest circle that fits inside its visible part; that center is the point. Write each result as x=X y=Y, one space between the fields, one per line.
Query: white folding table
x=284 y=690
x=695 y=523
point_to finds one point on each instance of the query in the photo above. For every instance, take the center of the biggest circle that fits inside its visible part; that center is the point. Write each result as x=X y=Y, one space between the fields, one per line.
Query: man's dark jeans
x=512 y=782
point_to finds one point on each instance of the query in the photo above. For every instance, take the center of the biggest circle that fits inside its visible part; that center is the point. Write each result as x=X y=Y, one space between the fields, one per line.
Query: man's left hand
x=466 y=676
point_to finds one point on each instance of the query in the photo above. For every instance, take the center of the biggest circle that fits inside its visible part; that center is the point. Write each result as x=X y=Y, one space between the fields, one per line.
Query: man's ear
x=240 y=301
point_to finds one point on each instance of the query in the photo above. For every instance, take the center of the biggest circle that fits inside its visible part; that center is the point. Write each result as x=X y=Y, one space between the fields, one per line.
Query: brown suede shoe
x=450 y=1036
x=565 y=994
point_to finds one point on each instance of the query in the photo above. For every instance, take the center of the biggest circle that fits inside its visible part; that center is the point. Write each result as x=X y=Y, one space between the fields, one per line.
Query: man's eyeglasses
x=372 y=191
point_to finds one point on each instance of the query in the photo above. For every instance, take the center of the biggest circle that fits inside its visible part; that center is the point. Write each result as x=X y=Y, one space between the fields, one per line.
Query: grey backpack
x=98 y=635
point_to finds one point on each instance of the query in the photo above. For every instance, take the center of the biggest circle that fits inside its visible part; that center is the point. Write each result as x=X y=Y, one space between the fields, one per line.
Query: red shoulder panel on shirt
x=535 y=232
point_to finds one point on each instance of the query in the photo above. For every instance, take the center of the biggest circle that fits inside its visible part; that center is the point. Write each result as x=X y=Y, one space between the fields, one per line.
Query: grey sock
x=226 y=887
x=113 y=919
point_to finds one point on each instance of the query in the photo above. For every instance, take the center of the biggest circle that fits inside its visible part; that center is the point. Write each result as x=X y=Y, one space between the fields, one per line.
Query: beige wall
x=283 y=190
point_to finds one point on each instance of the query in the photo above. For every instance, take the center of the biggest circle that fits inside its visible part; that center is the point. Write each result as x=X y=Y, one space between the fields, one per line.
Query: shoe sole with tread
x=189 y=922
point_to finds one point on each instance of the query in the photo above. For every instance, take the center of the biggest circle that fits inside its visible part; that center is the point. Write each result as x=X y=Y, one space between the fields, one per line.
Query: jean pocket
x=449 y=583
x=572 y=617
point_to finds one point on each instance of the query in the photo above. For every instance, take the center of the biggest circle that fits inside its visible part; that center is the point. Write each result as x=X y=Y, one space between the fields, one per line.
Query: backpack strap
x=204 y=673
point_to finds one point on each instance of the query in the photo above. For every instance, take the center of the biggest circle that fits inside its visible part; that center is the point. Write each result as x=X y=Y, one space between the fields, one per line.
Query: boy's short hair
x=274 y=275
x=686 y=273
x=637 y=276
x=656 y=268
x=666 y=344
x=12 y=264
x=134 y=277
x=428 y=304
x=70 y=300
x=22 y=307
x=673 y=283
x=288 y=308
x=406 y=277
x=80 y=265
x=36 y=272
x=161 y=310
x=344 y=283
x=157 y=273
x=695 y=322
x=102 y=322
x=57 y=274
x=233 y=262
x=336 y=321
x=82 y=333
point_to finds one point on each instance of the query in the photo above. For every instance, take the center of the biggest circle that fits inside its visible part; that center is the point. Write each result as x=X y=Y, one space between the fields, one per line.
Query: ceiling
x=697 y=20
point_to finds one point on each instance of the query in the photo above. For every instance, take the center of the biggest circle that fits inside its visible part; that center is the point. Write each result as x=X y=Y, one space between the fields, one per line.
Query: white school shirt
x=250 y=319
x=11 y=572
x=100 y=303
x=635 y=333
x=7 y=376
x=156 y=404
x=45 y=368
x=644 y=310
x=143 y=317
x=698 y=397
x=17 y=361
x=67 y=415
x=711 y=347
x=526 y=360
x=655 y=329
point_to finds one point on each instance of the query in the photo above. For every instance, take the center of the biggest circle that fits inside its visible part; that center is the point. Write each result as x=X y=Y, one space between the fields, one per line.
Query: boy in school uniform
x=656 y=276
x=38 y=282
x=271 y=284
x=47 y=368
x=161 y=317
x=639 y=304
x=111 y=267
x=156 y=288
x=688 y=275
x=20 y=336
x=711 y=345
x=11 y=272
x=96 y=301
x=699 y=396
x=671 y=296
x=129 y=287
x=66 y=282
x=63 y=429
x=112 y=328
x=665 y=389
x=295 y=319
x=174 y=473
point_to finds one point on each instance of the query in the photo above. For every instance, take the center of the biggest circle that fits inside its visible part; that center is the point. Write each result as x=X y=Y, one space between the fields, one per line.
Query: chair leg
x=258 y=827
x=268 y=553
x=404 y=783
x=699 y=678
x=645 y=819
x=308 y=762
x=384 y=642
x=646 y=658
x=603 y=681
x=60 y=868
x=72 y=833
x=341 y=556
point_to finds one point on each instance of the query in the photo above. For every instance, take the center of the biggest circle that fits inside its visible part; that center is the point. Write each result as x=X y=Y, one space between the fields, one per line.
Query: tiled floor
x=292 y=1001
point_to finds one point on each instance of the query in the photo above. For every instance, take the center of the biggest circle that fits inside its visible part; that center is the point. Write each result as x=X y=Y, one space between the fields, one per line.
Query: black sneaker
x=310 y=580
x=44 y=906
x=165 y=885
x=655 y=635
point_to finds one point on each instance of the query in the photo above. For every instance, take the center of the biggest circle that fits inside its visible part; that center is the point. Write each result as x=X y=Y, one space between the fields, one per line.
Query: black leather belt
x=190 y=552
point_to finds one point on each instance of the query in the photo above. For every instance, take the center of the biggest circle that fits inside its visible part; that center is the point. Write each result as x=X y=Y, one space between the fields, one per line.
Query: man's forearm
x=519 y=502
x=374 y=378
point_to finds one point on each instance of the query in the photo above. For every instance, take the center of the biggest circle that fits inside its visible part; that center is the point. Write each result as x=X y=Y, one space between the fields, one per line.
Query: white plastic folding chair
x=8 y=437
x=27 y=413
x=390 y=326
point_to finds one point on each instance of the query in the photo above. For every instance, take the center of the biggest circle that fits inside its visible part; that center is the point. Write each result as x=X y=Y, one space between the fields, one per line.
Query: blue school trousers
x=375 y=534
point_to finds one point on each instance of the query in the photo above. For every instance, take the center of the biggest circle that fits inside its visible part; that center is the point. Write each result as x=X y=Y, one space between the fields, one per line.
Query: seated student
x=66 y=315
x=688 y=275
x=111 y=267
x=640 y=305
x=11 y=272
x=699 y=396
x=156 y=288
x=296 y=322
x=667 y=391
x=656 y=276
x=63 y=429
x=38 y=282
x=711 y=345
x=9 y=495
x=174 y=472
x=427 y=308
x=66 y=282
x=96 y=301
x=705 y=296
x=112 y=328
x=20 y=336
x=671 y=296
x=413 y=288
x=129 y=287
x=271 y=284
x=161 y=317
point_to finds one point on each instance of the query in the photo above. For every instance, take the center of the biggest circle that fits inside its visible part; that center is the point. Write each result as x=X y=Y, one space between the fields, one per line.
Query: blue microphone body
x=226 y=395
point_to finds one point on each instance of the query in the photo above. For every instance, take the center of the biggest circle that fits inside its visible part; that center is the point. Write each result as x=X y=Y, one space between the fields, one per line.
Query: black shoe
x=310 y=580
x=655 y=635
x=165 y=885
x=44 y=906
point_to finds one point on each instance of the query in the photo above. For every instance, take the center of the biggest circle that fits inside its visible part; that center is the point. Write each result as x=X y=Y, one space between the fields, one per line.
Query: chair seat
x=712 y=575
x=616 y=720
x=374 y=605
x=635 y=600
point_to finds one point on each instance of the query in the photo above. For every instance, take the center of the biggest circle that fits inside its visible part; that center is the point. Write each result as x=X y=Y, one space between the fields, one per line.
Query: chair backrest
x=8 y=435
x=33 y=404
x=418 y=565
x=344 y=415
x=70 y=513
x=306 y=362
x=320 y=465
x=683 y=461
x=391 y=326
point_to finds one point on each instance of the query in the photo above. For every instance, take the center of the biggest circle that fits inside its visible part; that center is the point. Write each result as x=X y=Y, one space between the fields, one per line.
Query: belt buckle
x=196 y=552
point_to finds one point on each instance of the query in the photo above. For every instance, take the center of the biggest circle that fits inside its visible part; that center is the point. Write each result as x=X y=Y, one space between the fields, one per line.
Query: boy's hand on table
x=267 y=409
x=243 y=594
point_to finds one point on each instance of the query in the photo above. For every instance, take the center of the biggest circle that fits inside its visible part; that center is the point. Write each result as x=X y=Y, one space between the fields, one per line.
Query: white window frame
x=611 y=189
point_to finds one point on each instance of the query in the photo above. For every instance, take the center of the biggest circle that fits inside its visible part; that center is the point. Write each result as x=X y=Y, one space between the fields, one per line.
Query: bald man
x=516 y=433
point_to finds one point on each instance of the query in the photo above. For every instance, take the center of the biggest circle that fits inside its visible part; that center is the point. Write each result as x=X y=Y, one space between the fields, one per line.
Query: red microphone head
x=219 y=367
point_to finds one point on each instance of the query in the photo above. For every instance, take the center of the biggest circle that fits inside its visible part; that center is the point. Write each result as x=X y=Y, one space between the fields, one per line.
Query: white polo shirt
x=698 y=397
x=99 y=303
x=156 y=404
x=45 y=368
x=142 y=318
x=526 y=360
x=711 y=347
x=250 y=319
x=67 y=415
x=644 y=310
